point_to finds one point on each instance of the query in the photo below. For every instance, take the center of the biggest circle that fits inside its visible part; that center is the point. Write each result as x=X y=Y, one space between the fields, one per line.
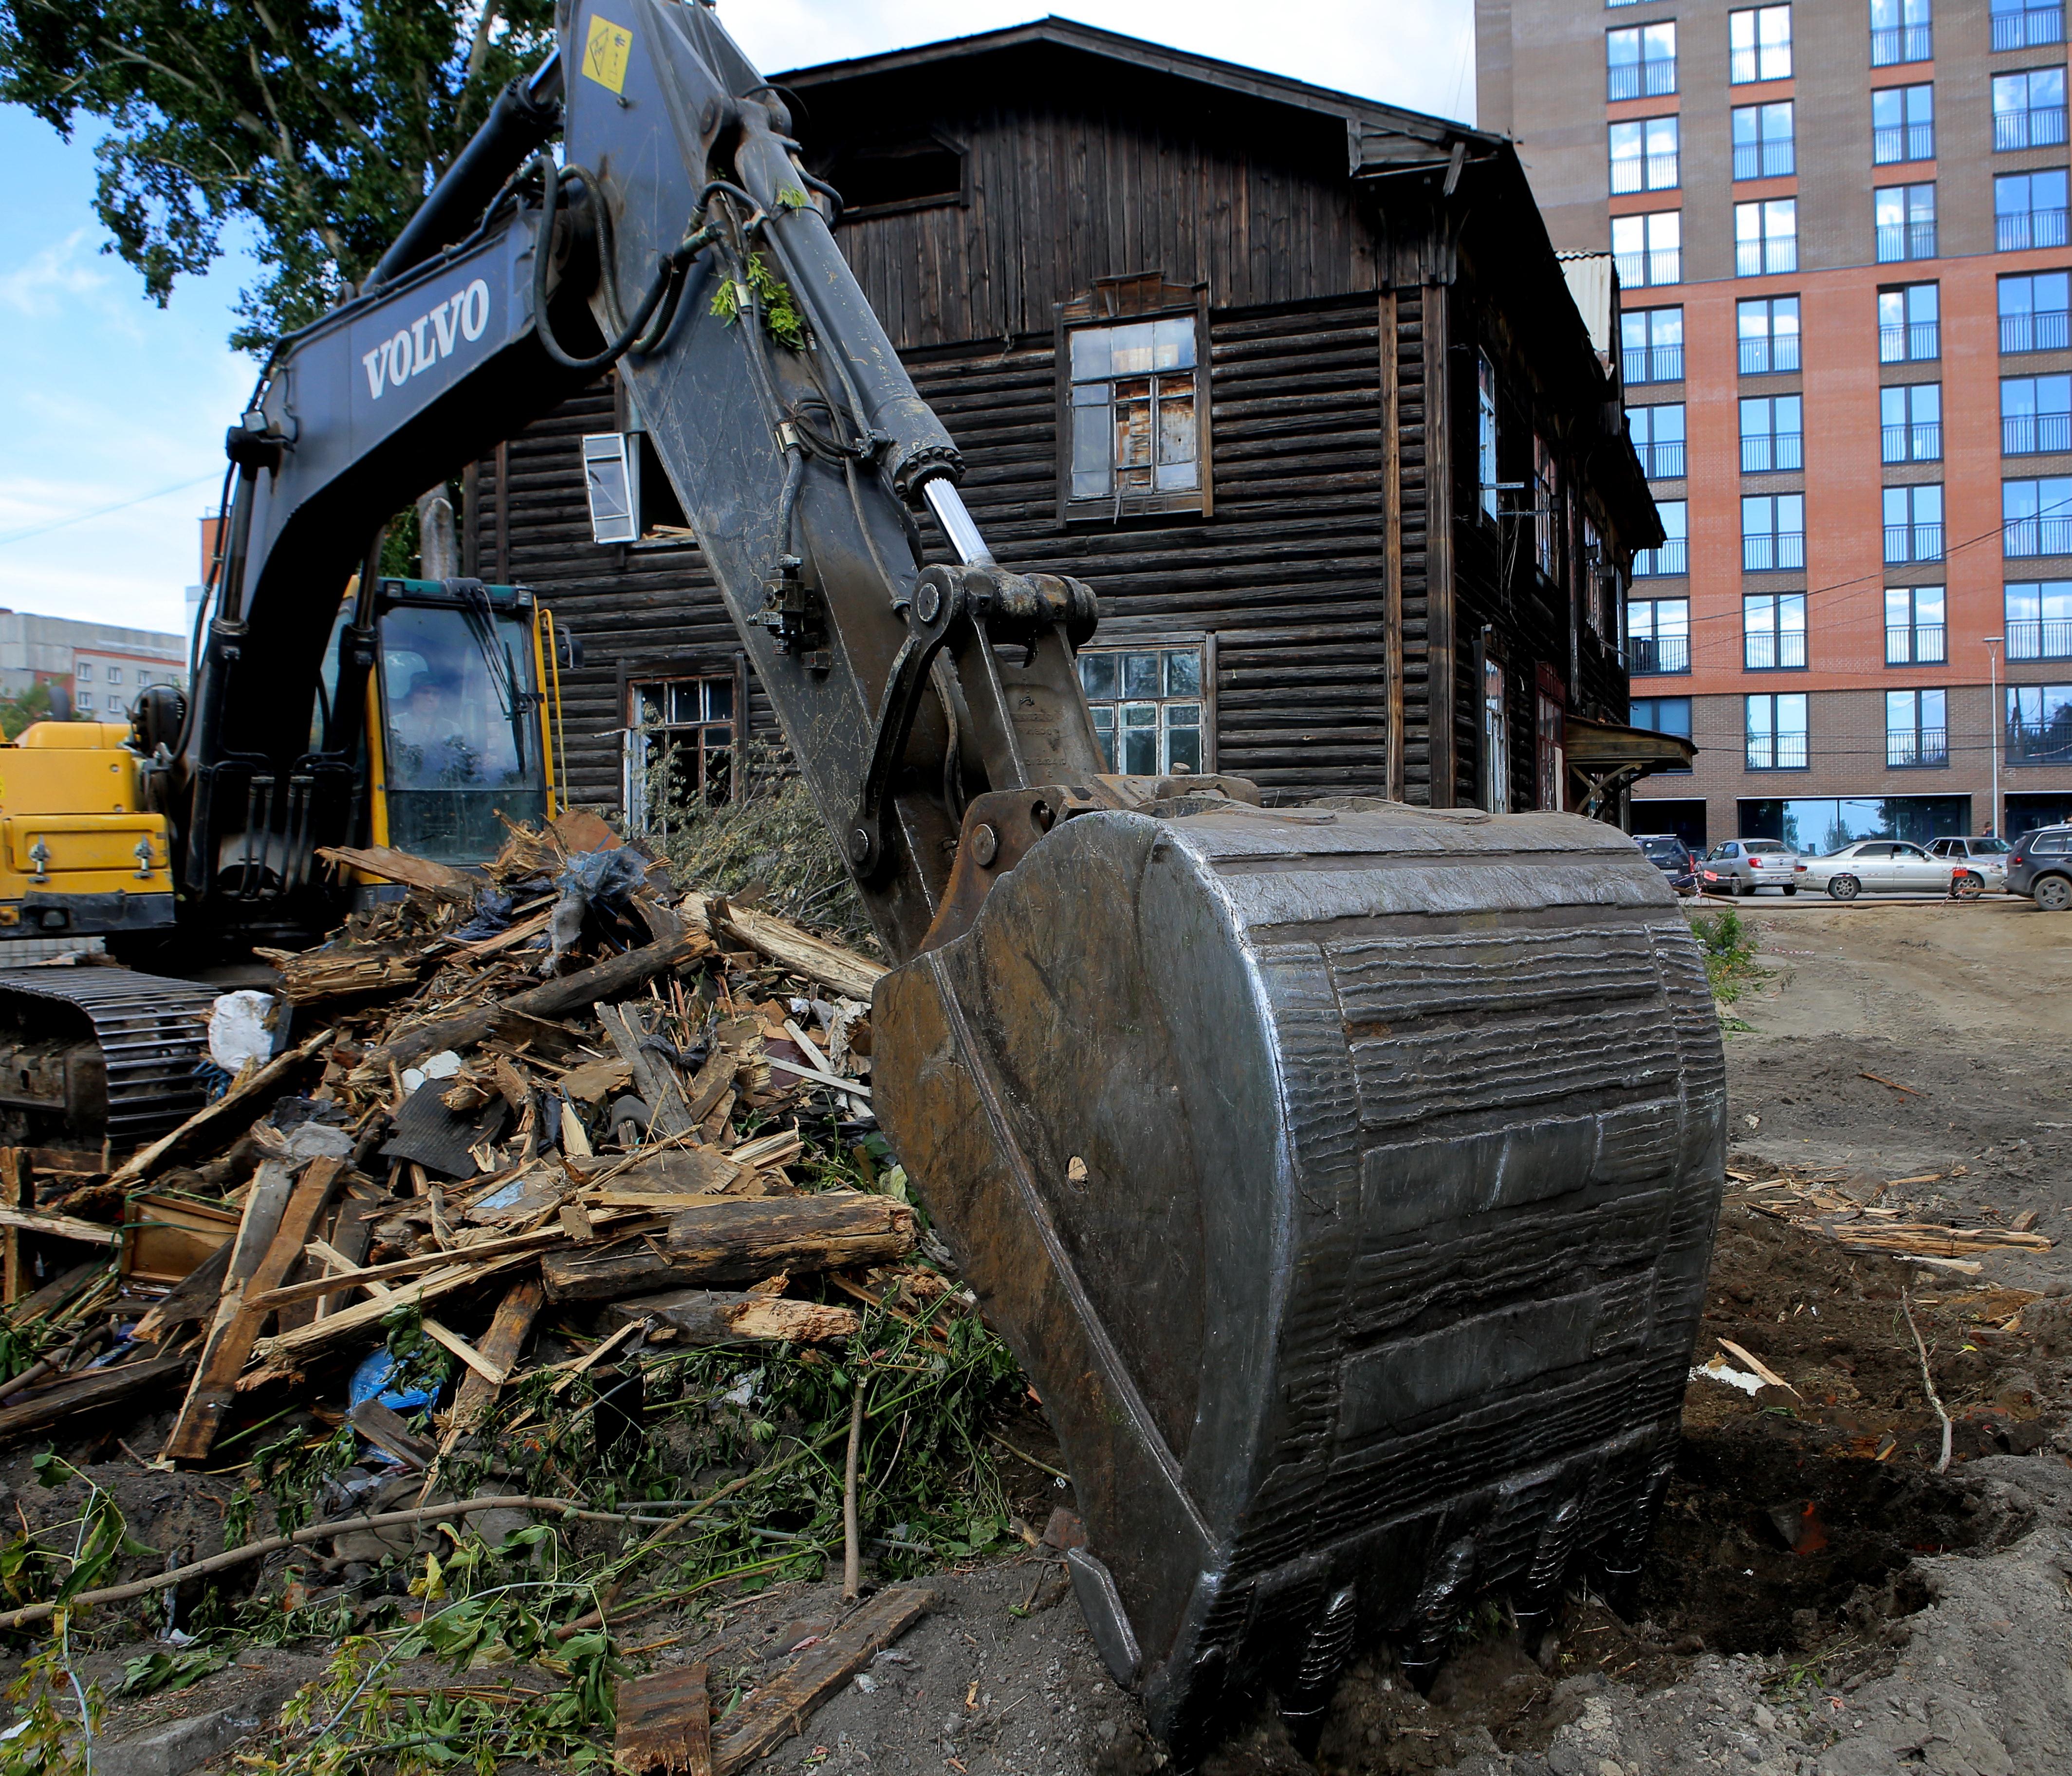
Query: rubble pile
x=546 y=1196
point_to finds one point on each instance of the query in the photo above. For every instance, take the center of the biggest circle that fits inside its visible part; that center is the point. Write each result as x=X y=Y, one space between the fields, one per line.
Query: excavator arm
x=1345 y=1176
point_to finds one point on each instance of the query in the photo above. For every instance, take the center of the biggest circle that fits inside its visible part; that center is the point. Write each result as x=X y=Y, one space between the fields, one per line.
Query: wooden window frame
x=652 y=669
x=959 y=199
x=1119 y=302
x=1122 y=638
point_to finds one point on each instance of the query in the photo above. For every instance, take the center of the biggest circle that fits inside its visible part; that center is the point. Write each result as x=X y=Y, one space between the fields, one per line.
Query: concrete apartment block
x=1842 y=248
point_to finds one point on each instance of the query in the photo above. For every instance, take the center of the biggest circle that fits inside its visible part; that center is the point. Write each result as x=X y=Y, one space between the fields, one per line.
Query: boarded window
x=1136 y=437
x=1148 y=709
x=679 y=747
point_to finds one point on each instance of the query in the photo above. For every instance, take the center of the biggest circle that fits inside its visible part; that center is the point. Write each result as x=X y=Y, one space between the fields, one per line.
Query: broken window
x=1148 y=705
x=679 y=747
x=1136 y=437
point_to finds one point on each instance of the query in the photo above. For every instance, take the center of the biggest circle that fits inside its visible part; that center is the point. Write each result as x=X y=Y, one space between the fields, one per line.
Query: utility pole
x=1996 y=727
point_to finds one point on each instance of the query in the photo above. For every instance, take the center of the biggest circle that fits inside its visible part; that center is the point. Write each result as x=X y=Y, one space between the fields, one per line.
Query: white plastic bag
x=238 y=1030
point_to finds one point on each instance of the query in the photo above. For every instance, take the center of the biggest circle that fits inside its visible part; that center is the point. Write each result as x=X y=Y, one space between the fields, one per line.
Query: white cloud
x=63 y=271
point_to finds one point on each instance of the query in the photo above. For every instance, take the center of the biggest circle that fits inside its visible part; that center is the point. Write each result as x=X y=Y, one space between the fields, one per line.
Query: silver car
x=1878 y=866
x=1740 y=866
x=1984 y=859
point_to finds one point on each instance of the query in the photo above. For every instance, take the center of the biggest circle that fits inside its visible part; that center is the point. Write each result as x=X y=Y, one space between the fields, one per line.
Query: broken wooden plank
x=17 y=1190
x=707 y=1316
x=97 y=1389
x=781 y=1706
x=732 y=1239
x=392 y=864
x=851 y=975
x=59 y=1227
x=660 y=1086
x=665 y=1724
x=501 y=1347
x=55 y=1293
x=287 y=1349
x=385 y=1429
x=605 y=1272
x=238 y=1321
x=349 y=1279
x=193 y=1297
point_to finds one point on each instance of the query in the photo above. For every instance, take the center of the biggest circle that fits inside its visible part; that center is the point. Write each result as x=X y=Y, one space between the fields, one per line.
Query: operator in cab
x=426 y=744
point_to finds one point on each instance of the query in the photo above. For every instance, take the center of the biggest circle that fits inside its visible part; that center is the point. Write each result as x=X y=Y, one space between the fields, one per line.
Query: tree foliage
x=320 y=124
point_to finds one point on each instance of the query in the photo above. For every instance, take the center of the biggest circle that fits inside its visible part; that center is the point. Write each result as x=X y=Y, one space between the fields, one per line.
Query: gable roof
x=1362 y=117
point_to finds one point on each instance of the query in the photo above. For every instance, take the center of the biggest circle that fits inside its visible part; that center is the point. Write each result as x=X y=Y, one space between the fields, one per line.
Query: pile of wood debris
x=1829 y=1204
x=642 y=1104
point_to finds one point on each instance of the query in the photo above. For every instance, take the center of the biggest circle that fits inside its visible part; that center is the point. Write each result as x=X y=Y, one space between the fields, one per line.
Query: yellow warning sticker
x=605 y=53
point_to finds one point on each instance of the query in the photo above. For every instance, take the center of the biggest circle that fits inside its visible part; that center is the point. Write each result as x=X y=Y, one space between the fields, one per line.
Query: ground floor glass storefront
x=2026 y=812
x=1815 y=825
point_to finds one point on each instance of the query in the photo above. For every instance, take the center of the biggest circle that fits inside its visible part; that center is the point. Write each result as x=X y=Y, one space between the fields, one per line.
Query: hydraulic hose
x=668 y=273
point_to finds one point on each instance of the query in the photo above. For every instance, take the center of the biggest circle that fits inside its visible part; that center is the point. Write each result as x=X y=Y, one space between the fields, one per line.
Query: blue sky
x=113 y=410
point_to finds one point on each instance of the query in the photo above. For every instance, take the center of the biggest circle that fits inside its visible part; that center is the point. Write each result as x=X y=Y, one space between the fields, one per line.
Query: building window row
x=1773 y=532
x=2029 y=110
x=1649 y=248
x=1774 y=631
x=1640 y=61
x=2038 y=619
x=1651 y=345
x=1763 y=138
x=2033 y=311
x=1658 y=636
x=1768 y=328
x=1766 y=237
x=1772 y=434
x=1644 y=156
x=2036 y=517
x=2039 y=723
x=1914 y=631
x=1904 y=220
x=1914 y=524
x=1910 y=422
x=2036 y=415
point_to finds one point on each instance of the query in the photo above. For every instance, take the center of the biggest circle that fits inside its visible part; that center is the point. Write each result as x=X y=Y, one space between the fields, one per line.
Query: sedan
x=1878 y=866
x=1984 y=860
x=1672 y=856
x=1740 y=866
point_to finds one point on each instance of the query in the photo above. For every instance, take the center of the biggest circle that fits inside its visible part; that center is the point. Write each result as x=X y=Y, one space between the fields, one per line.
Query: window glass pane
x=1178 y=469
x=1092 y=477
x=719 y=699
x=1133 y=351
x=1140 y=675
x=1174 y=344
x=1183 y=749
x=1183 y=672
x=1104 y=731
x=1090 y=354
x=1140 y=744
x=1100 y=674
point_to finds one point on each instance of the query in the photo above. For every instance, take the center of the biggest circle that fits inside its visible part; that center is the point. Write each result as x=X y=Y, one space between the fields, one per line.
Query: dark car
x=1672 y=856
x=2041 y=867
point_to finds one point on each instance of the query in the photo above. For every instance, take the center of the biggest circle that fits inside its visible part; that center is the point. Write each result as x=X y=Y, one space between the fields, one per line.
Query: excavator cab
x=463 y=717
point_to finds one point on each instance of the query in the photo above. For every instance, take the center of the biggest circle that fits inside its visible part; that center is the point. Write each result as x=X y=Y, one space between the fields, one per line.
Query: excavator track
x=1346 y=1179
x=95 y=1053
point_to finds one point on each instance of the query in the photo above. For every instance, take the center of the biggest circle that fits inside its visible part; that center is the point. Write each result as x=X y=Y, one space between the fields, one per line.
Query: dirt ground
x=1817 y=1600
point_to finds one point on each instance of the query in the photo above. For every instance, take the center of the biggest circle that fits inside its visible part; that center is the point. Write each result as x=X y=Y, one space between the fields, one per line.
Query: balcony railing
x=1652 y=363
x=1664 y=266
x=2046 y=330
x=1652 y=80
x=2042 y=127
x=1771 y=550
x=2038 y=536
x=1902 y=43
x=1911 y=341
x=1904 y=750
x=1774 y=650
x=2031 y=638
x=2024 y=228
x=2027 y=28
x=1772 y=450
x=1917 y=644
x=1674 y=556
x=1914 y=542
x=1632 y=173
x=2039 y=742
x=1902 y=141
x=1765 y=160
x=1898 y=241
x=1777 y=752
x=2035 y=434
x=1663 y=462
x=1659 y=654
x=1760 y=357
x=1759 y=258
x=1921 y=443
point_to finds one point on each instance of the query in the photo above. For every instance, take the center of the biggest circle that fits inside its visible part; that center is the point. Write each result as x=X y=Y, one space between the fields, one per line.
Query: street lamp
x=1995 y=727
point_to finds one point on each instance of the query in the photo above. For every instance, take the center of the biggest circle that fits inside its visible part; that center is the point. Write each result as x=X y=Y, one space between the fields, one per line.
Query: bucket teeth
x=1324 y=1655
x=1439 y=1607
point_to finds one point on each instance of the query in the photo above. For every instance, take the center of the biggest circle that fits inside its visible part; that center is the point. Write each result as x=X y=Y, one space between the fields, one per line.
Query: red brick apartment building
x=1840 y=231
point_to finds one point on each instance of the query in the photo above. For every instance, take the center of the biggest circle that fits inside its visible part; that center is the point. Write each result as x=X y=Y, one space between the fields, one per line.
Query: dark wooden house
x=1294 y=380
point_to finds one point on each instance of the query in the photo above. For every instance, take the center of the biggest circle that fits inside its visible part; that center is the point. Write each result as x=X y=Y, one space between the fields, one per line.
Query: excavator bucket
x=1346 y=1179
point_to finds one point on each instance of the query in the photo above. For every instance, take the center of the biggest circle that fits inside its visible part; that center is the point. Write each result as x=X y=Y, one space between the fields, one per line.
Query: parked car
x=1740 y=866
x=2040 y=866
x=1985 y=860
x=1878 y=866
x=1672 y=856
